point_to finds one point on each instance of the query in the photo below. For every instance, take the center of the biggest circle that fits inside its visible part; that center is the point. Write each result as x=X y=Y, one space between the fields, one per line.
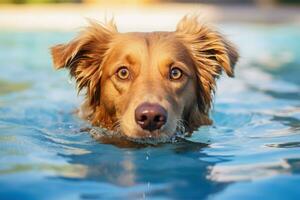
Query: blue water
x=253 y=149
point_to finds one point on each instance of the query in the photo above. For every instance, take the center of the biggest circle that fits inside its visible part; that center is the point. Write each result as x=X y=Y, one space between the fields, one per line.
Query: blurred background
x=141 y=14
x=264 y=2
x=260 y=2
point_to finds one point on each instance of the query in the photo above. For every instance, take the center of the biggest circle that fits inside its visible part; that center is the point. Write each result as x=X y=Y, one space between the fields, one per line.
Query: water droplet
x=147 y=155
x=70 y=81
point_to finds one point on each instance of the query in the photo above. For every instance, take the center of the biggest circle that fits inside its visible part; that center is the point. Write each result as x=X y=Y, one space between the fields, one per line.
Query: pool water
x=252 y=151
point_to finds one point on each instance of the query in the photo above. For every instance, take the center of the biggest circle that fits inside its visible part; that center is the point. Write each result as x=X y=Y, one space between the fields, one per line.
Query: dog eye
x=175 y=73
x=123 y=73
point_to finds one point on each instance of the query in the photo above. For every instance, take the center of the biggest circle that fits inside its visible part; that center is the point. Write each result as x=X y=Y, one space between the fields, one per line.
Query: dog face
x=147 y=85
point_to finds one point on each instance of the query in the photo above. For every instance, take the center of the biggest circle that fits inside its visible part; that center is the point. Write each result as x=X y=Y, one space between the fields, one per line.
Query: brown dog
x=147 y=85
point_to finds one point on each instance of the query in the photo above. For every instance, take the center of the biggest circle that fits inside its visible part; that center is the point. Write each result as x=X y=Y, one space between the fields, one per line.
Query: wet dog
x=147 y=84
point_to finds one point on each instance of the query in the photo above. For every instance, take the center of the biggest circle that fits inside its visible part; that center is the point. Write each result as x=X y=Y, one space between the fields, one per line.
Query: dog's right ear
x=84 y=55
x=62 y=54
x=93 y=40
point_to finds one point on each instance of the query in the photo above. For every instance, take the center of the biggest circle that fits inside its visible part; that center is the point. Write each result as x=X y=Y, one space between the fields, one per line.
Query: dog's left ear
x=211 y=54
x=84 y=56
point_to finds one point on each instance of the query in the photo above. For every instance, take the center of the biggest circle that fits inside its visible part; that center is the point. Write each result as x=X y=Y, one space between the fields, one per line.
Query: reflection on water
x=253 y=146
x=7 y=87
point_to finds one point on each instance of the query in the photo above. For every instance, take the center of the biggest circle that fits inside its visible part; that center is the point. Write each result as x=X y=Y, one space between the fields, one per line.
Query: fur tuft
x=84 y=55
x=211 y=53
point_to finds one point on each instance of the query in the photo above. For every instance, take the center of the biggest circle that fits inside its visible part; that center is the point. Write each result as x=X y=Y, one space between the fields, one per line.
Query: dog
x=147 y=84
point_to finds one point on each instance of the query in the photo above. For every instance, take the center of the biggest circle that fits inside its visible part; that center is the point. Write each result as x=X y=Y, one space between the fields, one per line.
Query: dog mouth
x=144 y=138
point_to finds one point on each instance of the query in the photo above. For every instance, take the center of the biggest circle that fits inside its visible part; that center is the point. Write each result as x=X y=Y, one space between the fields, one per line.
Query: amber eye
x=123 y=73
x=175 y=73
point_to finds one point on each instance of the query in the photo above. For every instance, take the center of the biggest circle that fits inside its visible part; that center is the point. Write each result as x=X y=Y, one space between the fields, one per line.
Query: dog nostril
x=150 y=116
x=158 y=118
x=143 y=118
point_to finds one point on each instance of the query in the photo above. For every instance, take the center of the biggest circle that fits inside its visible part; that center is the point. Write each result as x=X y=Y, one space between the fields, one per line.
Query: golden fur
x=94 y=56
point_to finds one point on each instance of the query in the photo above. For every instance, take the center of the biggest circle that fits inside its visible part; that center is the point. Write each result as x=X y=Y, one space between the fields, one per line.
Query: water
x=254 y=144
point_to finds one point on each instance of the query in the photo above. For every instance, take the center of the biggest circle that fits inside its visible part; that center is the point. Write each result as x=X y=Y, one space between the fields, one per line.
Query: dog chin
x=153 y=137
x=141 y=137
x=153 y=140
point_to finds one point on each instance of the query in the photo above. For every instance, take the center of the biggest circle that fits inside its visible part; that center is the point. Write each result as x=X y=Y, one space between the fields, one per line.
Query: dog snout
x=150 y=116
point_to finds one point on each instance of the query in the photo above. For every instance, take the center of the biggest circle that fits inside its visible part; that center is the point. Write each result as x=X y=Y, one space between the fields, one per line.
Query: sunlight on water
x=254 y=144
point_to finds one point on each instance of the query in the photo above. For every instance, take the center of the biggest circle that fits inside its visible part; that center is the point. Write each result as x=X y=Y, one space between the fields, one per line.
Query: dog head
x=147 y=85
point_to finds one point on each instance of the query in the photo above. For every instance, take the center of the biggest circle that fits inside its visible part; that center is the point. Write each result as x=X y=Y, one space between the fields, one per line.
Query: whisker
x=117 y=127
x=116 y=124
x=180 y=126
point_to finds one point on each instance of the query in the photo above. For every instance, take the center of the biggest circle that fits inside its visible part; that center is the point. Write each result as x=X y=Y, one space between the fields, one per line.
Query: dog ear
x=84 y=55
x=211 y=54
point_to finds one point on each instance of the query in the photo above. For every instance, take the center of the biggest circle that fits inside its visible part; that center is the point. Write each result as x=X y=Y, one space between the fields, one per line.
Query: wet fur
x=205 y=50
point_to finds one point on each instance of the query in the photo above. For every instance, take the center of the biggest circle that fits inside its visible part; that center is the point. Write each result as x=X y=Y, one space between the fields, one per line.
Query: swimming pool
x=253 y=149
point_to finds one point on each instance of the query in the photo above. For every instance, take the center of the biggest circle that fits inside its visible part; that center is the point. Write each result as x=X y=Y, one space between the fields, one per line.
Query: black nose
x=150 y=116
